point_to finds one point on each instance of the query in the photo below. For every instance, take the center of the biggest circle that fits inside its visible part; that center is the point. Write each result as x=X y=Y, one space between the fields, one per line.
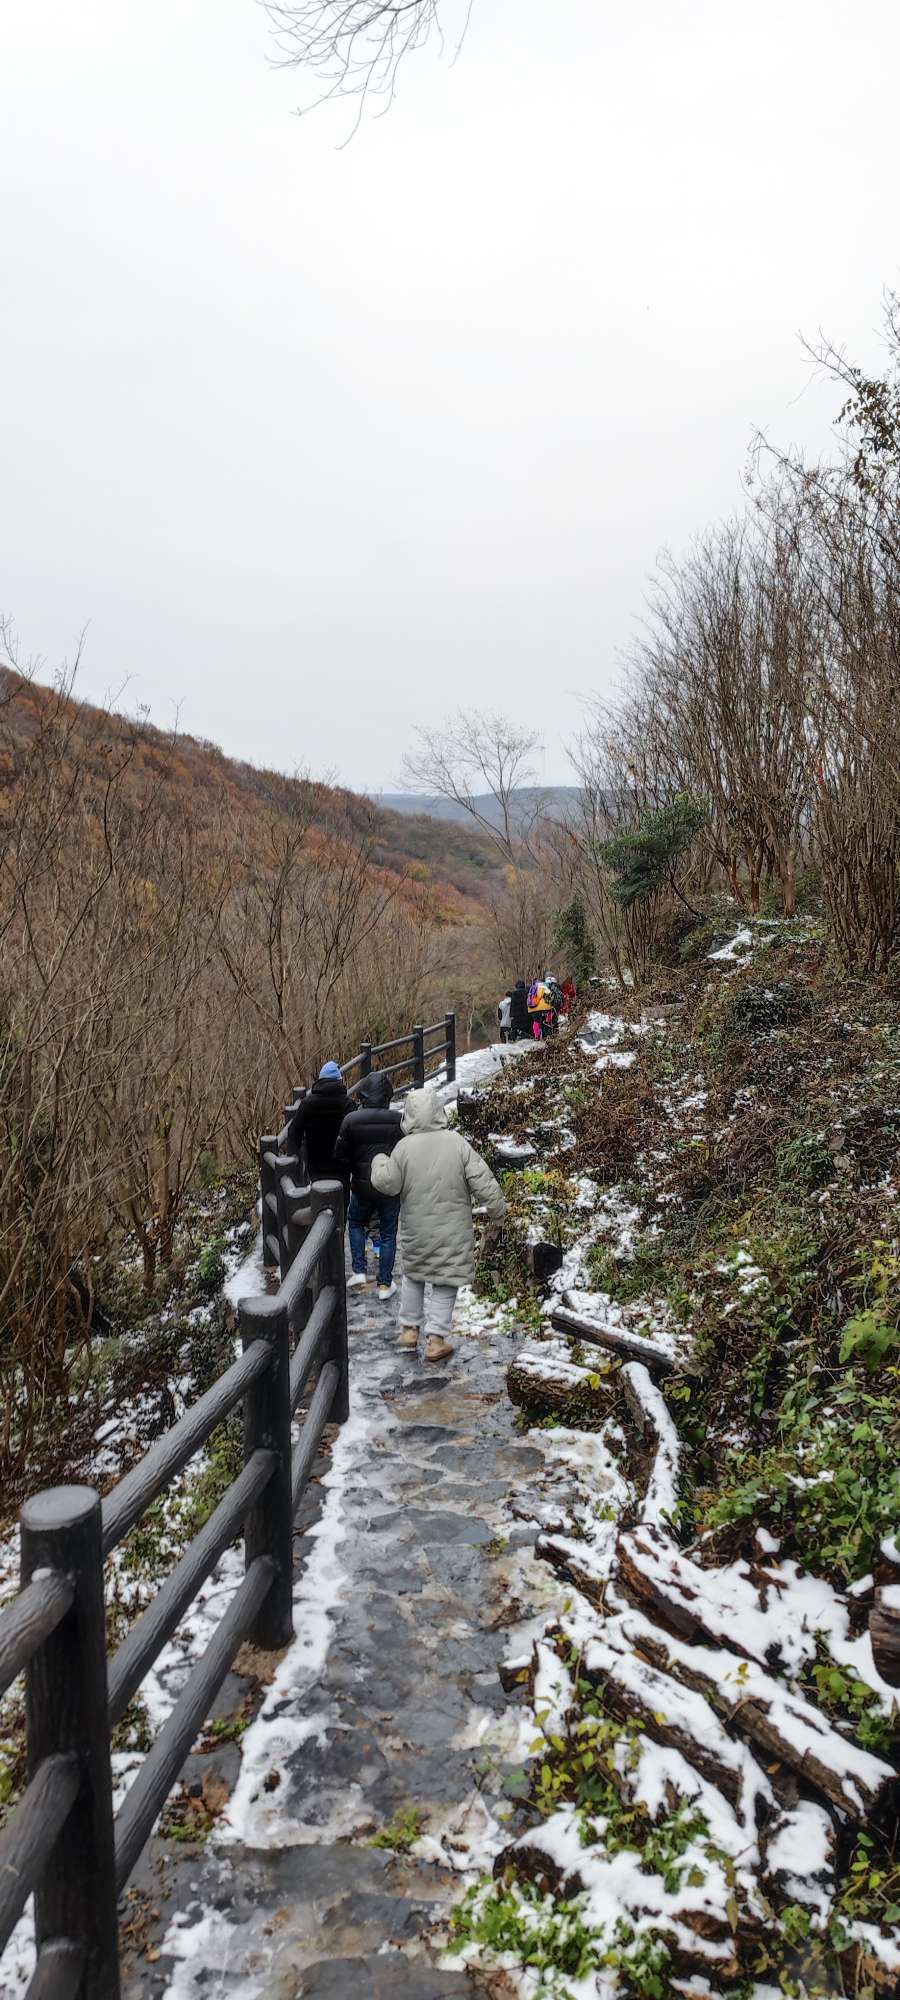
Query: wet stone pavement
x=413 y=1576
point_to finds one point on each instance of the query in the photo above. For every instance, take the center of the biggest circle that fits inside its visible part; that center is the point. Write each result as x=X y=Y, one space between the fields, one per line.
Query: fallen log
x=700 y=1935
x=546 y=1381
x=725 y=1606
x=786 y=1728
x=657 y=1433
x=679 y=1716
x=576 y=1562
x=616 y=1340
x=515 y=1672
x=884 y=1620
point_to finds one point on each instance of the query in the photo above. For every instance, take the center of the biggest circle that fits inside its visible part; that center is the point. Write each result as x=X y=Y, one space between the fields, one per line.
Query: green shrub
x=803 y=1163
x=869 y=1338
x=211 y=1266
x=831 y=1482
x=224 y=1461
x=402 y=1832
x=757 y=1006
x=702 y=938
x=647 y=1268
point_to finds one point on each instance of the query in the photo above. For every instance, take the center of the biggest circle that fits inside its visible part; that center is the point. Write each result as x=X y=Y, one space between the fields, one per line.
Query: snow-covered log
x=780 y=1724
x=677 y=1715
x=617 y=1340
x=658 y=1435
x=701 y=1933
x=543 y=1379
x=515 y=1672
x=884 y=1622
x=576 y=1562
x=726 y=1606
x=797 y=1853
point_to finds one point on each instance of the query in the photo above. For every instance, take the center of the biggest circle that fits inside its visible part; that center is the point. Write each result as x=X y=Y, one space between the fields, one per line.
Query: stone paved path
x=390 y=1702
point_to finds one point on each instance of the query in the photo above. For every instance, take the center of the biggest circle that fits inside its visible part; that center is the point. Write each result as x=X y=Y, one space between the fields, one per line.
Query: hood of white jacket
x=424 y=1112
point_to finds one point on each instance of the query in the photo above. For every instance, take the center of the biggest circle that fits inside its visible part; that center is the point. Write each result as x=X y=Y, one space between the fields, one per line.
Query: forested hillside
x=184 y=937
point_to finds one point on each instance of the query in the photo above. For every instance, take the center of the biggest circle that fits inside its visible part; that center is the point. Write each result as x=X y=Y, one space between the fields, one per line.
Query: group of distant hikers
x=530 y=1013
x=407 y=1166
x=400 y=1166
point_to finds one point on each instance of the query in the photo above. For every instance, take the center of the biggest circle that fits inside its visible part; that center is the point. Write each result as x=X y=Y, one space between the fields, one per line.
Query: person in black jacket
x=374 y=1128
x=519 y=1023
x=317 y=1122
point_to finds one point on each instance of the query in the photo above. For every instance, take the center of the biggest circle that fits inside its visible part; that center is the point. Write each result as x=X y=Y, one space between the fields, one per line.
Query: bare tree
x=476 y=756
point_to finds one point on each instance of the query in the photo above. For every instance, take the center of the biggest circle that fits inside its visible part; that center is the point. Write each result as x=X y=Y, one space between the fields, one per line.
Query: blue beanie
x=330 y=1069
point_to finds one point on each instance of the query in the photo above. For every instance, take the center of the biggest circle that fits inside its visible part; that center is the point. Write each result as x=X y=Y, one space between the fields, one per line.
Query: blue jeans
x=362 y=1208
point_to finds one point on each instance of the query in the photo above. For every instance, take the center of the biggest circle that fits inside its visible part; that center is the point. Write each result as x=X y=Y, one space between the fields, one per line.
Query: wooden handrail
x=55 y=1628
x=61 y=1841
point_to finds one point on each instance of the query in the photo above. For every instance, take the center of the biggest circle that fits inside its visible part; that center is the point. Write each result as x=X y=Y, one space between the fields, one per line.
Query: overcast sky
x=322 y=443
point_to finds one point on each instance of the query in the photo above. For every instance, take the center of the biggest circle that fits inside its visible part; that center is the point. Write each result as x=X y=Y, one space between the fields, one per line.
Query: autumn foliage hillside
x=184 y=938
x=231 y=801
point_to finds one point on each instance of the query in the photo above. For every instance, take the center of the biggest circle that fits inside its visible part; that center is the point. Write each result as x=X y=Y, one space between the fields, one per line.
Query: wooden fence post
x=450 y=1024
x=288 y=1165
x=67 y=1712
x=365 y=1059
x=267 y=1187
x=302 y=1169
x=268 y=1529
x=296 y=1205
x=418 y=1042
x=330 y=1194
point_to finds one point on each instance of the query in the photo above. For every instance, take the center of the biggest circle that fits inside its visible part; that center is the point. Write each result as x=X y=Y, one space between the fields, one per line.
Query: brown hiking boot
x=437 y=1349
x=408 y=1336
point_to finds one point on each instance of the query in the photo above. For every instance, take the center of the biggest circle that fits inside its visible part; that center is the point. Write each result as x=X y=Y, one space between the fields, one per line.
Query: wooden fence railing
x=62 y=1841
x=422 y=1061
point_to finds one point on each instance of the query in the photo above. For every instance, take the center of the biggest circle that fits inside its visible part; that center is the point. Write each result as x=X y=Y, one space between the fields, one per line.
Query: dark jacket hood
x=329 y=1087
x=376 y=1090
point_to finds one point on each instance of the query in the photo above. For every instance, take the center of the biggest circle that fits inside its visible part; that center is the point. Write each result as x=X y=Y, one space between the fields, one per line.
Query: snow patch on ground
x=247 y=1279
x=482 y=1065
x=205 y=1949
x=286 y=1720
x=737 y=947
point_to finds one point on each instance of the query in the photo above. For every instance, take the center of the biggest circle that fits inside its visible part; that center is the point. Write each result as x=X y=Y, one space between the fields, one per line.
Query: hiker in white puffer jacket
x=439 y=1177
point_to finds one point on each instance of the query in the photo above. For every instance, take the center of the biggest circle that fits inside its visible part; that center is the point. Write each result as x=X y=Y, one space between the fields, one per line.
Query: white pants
x=440 y=1305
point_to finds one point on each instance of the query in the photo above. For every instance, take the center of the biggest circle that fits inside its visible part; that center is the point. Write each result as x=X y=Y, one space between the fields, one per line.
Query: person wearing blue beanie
x=313 y=1130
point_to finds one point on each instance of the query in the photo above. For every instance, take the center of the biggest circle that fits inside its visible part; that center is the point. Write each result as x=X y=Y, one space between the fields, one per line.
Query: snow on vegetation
x=135 y=1570
x=737 y=947
x=713 y=1765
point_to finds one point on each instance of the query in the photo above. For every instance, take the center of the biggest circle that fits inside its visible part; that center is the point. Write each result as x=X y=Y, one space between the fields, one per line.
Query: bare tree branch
x=354 y=48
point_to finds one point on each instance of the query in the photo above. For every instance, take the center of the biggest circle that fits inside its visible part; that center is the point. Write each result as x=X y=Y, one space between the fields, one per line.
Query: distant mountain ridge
x=557 y=800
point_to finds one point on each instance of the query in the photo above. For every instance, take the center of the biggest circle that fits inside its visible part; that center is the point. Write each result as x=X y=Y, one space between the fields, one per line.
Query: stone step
x=382 y=1976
